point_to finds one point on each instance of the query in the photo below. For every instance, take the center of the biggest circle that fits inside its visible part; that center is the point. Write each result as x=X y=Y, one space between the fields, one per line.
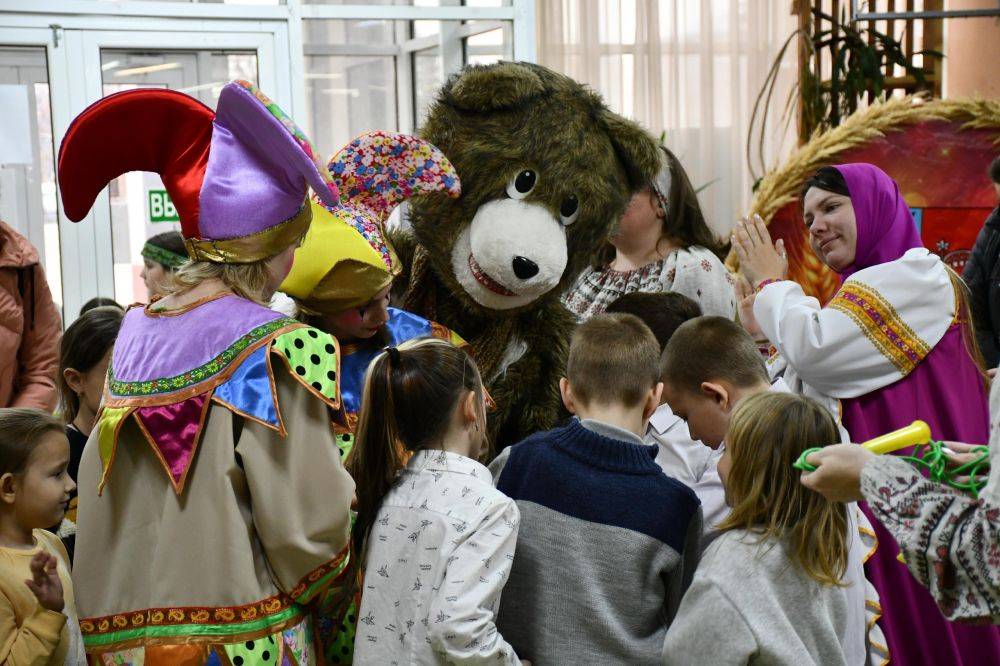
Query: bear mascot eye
x=521 y=185
x=569 y=210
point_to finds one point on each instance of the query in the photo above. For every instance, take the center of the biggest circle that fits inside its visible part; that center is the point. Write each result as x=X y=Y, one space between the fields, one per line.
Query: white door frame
x=75 y=82
x=74 y=31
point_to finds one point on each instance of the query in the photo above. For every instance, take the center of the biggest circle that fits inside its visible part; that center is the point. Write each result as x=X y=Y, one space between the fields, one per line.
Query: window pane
x=27 y=175
x=428 y=75
x=349 y=95
x=324 y=33
x=489 y=47
x=137 y=209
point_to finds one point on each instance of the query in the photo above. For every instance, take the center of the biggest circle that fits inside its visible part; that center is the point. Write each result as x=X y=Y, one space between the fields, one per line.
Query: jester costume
x=214 y=510
x=344 y=262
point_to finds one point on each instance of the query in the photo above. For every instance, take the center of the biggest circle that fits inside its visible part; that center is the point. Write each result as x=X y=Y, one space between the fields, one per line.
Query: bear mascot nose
x=525 y=268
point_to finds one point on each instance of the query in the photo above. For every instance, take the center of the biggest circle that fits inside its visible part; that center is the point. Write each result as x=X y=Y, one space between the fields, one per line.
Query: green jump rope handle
x=930 y=457
x=801 y=463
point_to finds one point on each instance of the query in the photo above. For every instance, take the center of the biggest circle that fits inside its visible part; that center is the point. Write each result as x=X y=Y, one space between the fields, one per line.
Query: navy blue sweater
x=607 y=546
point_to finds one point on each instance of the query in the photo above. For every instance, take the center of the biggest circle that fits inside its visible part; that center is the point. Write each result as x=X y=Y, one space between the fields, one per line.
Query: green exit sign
x=161 y=208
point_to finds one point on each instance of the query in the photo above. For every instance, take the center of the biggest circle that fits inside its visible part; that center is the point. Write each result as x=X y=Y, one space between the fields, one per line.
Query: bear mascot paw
x=546 y=170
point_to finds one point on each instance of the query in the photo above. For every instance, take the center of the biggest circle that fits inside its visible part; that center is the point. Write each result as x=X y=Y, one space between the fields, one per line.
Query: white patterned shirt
x=694 y=272
x=439 y=554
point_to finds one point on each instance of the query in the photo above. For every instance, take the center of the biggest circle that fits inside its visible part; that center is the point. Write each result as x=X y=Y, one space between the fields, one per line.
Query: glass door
x=140 y=207
x=47 y=76
x=27 y=172
x=102 y=254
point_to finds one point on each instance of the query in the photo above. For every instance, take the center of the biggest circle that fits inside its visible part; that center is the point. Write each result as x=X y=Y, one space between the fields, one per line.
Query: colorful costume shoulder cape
x=402 y=326
x=167 y=367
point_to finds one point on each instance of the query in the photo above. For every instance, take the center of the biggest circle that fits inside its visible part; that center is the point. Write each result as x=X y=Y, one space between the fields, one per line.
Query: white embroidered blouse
x=439 y=554
x=881 y=323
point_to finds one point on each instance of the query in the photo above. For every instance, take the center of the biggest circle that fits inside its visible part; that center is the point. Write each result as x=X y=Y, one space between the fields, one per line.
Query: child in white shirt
x=437 y=538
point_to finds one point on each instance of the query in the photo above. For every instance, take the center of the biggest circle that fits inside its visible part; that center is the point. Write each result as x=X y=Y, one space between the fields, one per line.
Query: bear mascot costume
x=547 y=170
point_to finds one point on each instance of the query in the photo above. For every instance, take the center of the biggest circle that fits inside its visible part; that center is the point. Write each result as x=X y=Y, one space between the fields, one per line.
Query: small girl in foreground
x=782 y=584
x=437 y=537
x=38 y=622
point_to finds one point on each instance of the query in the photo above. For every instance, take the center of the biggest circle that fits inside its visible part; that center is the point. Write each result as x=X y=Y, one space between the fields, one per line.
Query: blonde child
x=438 y=539
x=781 y=584
x=37 y=615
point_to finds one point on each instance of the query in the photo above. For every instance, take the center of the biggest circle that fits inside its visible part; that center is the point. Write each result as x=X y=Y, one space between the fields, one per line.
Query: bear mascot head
x=546 y=171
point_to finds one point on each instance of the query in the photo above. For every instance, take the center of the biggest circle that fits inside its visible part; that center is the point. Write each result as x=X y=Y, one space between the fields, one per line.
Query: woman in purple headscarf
x=893 y=345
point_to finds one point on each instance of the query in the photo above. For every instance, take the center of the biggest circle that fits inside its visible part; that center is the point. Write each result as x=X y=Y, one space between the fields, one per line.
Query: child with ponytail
x=436 y=537
x=781 y=584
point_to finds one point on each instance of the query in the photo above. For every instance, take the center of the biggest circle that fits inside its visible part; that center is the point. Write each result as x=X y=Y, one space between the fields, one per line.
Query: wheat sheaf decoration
x=782 y=186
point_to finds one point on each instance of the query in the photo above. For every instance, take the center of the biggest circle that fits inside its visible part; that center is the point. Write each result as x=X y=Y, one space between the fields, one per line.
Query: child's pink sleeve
x=34 y=641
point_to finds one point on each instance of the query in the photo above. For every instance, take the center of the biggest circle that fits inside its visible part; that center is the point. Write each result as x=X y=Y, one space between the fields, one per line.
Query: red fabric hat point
x=156 y=130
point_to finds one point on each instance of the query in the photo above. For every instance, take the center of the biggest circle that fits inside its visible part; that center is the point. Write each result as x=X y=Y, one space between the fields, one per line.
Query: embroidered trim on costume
x=764 y=283
x=881 y=324
x=203 y=372
x=189 y=623
x=322 y=576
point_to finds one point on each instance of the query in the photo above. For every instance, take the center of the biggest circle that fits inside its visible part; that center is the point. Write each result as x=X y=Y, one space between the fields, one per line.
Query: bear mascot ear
x=635 y=148
x=493 y=87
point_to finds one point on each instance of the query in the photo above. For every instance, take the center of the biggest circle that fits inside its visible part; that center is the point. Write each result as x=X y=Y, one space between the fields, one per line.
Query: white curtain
x=689 y=69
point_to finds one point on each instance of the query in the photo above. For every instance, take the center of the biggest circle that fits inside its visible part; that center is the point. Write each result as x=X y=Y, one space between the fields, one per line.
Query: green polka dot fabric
x=345 y=442
x=312 y=358
x=340 y=650
x=261 y=651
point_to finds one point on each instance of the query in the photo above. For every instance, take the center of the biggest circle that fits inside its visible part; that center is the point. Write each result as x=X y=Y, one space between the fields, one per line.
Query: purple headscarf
x=885 y=225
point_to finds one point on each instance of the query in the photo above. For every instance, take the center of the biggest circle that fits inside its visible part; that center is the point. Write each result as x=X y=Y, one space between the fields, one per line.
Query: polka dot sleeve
x=313 y=358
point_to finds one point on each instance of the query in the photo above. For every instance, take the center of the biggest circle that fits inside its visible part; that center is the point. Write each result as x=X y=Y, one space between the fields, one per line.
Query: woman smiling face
x=833 y=229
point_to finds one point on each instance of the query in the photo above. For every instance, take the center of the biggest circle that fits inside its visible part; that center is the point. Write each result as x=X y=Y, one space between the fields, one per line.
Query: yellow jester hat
x=346 y=258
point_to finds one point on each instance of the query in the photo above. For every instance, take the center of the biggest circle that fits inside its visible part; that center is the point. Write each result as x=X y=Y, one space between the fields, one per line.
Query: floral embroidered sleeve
x=949 y=541
x=699 y=275
x=463 y=615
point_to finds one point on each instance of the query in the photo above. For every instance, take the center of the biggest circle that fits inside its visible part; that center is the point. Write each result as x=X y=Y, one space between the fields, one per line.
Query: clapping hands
x=760 y=259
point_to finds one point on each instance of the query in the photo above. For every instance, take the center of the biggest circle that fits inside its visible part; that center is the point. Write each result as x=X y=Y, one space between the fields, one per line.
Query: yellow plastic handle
x=917 y=432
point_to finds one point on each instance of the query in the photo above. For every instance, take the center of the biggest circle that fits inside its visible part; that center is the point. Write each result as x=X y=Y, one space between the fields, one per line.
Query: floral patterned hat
x=346 y=258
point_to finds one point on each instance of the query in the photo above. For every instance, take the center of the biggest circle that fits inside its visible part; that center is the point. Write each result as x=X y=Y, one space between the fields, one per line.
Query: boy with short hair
x=680 y=456
x=607 y=543
x=708 y=366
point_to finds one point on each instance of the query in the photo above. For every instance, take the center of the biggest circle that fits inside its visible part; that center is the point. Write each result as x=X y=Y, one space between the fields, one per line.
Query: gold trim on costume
x=881 y=324
x=252 y=247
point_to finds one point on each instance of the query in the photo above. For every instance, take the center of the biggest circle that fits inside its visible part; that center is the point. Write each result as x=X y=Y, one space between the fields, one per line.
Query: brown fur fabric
x=546 y=169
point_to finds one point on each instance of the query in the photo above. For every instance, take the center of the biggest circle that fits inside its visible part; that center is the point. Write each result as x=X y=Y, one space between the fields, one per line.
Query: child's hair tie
x=393 y=355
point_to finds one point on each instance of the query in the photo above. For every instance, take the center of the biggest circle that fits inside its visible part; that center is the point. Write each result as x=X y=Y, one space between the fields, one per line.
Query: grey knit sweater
x=749 y=604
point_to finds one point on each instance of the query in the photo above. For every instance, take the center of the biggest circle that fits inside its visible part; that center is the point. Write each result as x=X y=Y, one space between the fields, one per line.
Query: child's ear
x=74 y=379
x=7 y=491
x=566 y=391
x=470 y=408
x=717 y=393
x=652 y=401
